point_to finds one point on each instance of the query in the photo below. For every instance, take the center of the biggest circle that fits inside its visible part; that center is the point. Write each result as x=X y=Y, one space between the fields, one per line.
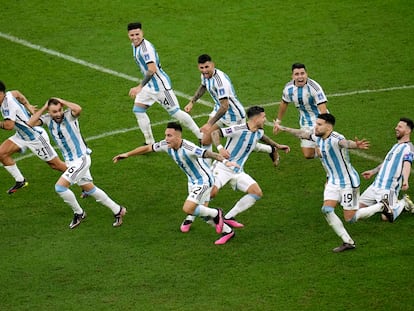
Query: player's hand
x=134 y=91
x=405 y=186
x=361 y=144
x=189 y=107
x=230 y=164
x=119 y=157
x=367 y=174
x=286 y=148
x=276 y=127
x=225 y=153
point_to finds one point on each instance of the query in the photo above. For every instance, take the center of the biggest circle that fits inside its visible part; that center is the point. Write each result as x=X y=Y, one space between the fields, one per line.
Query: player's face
x=173 y=138
x=260 y=120
x=322 y=128
x=2 y=95
x=136 y=36
x=402 y=129
x=206 y=69
x=56 y=112
x=300 y=76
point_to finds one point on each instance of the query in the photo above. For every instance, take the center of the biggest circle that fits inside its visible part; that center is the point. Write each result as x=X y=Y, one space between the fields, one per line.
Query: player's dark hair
x=329 y=118
x=204 y=58
x=52 y=101
x=174 y=125
x=409 y=122
x=136 y=25
x=298 y=66
x=2 y=87
x=254 y=111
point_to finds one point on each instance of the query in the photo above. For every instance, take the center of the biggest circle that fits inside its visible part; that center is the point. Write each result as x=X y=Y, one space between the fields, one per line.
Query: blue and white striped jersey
x=240 y=143
x=12 y=109
x=67 y=135
x=189 y=158
x=145 y=53
x=390 y=176
x=336 y=161
x=306 y=99
x=219 y=86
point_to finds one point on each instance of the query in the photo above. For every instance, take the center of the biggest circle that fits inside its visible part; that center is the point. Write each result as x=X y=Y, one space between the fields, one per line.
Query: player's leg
x=7 y=149
x=144 y=122
x=308 y=149
x=372 y=201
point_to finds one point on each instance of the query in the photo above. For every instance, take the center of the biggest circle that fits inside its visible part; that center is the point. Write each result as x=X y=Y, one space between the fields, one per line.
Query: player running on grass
x=16 y=110
x=64 y=127
x=190 y=158
x=241 y=141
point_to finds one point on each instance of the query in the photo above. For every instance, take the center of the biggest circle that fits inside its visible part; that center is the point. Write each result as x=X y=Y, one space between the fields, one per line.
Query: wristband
x=219 y=147
x=278 y=121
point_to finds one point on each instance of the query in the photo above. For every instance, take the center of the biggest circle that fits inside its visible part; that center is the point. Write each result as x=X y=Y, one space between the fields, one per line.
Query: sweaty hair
x=174 y=125
x=409 y=122
x=136 y=25
x=298 y=66
x=52 y=101
x=204 y=58
x=254 y=111
x=2 y=87
x=329 y=118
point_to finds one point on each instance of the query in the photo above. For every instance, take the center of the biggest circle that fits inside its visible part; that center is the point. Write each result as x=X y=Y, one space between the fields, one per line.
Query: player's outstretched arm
x=302 y=134
x=137 y=151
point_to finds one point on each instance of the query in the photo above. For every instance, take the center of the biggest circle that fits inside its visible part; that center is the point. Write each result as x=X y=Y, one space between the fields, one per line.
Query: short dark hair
x=254 y=111
x=298 y=66
x=204 y=58
x=329 y=118
x=135 y=25
x=409 y=122
x=2 y=87
x=52 y=101
x=174 y=125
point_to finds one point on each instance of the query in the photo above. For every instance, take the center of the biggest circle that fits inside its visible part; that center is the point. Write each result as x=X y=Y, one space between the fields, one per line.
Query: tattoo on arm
x=147 y=78
x=200 y=92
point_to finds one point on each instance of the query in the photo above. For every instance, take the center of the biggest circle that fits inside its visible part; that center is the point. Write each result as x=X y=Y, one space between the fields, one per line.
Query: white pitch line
x=181 y=94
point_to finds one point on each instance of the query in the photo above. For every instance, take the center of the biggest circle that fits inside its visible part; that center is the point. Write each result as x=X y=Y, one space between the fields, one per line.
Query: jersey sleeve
x=161 y=146
x=318 y=93
x=408 y=155
x=149 y=54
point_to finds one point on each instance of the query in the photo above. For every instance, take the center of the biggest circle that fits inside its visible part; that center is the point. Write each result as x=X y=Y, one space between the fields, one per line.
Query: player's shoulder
x=290 y=84
x=314 y=85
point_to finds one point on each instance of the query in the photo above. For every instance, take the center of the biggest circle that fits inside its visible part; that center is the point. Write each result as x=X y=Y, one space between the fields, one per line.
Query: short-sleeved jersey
x=220 y=87
x=390 y=176
x=67 y=135
x=144 y=54
x=306 y=99
x=12 y=109
x=189 y=158
x=336 y=162
x=241 y=141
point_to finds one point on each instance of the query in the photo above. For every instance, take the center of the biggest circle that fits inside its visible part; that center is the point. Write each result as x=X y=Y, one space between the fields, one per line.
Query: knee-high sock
x=15 y=172
x=144 y=124
x=243 y=204
x=335 y=222
x=101 y=197
x=365 y=212
x=398 y=208
x=188 y=122
x=69 y=198
x=263 y=148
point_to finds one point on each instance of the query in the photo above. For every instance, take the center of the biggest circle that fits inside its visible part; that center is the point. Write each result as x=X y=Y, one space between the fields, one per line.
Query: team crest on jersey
x=221 y=92
x=320 y=96
x=6 y=112
x=146 y=57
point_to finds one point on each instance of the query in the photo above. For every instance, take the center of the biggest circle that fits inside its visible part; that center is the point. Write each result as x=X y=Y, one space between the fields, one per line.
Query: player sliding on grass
x=241 y=141
x=343 y=181
x=190 y=159
x=228 y=110
x=63 y=125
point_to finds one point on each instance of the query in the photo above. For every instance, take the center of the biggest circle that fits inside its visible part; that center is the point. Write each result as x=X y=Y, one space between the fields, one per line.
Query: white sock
x=243 y=204
x=365 y=212
x=226 y=227
x=335 y=222
x=190 y=217
x=144 y=124
x=69 y=198
x=101 y=197
x=188 y=122
x=202 y=211
x=15 y=172
x=263 y=148
x=398 y=208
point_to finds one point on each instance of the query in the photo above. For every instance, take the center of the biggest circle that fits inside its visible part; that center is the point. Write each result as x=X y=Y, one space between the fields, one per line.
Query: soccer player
x=16 y=110
x=343 y=181
x=228 y=110
x=309 y=98
x=63 y=125
x=190 y=159
x=154 y=87
x=241 y=141
x=392 y=176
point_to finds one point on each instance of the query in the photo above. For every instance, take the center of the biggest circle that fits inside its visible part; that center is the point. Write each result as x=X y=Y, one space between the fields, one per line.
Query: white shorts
x=306 y=143
x=347 y=197
x=41 y=147
x=166 y=98
x=373 y=195
x=238 y=181
x=78 y=171
x=222 y=123
x=198 y=194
